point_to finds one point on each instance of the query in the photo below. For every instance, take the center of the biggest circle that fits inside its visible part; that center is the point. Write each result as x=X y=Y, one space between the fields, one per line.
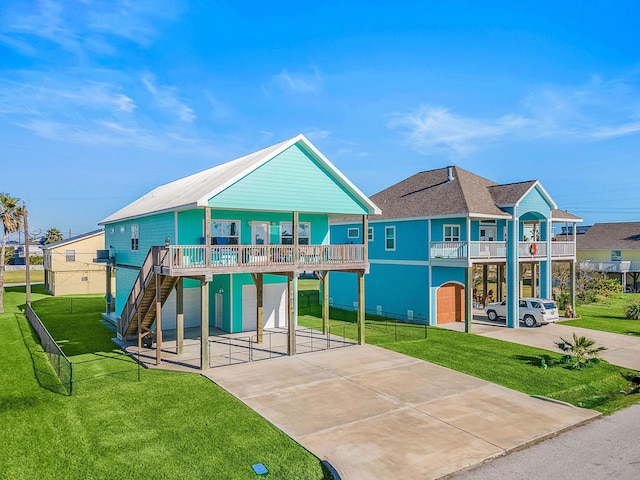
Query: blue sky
x=101 y=101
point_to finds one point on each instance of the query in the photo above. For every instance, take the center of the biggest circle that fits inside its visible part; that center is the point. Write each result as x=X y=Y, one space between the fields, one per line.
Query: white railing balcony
x=610 y=267
x=498 y=250
x=487 y=250
x=449 y=250
x=563 y=249
x=258 y=257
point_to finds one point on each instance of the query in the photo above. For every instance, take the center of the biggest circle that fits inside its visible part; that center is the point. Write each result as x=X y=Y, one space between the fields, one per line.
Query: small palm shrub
x=632 y=311
x=580 y=353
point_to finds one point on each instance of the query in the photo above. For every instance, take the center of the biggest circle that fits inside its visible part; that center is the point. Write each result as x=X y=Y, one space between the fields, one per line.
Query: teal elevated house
x=442 y=229
x=223 y=248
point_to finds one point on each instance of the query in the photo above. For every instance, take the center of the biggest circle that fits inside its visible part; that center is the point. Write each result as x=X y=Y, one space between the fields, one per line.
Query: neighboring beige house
x=69 y=267
x=613 y=248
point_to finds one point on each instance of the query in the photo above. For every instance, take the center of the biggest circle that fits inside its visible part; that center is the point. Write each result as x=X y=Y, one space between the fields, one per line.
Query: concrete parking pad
x=373 y=413
x=622 y=350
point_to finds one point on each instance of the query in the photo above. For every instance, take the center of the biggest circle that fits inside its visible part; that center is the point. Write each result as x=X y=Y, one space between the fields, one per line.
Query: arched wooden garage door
x=450 y=303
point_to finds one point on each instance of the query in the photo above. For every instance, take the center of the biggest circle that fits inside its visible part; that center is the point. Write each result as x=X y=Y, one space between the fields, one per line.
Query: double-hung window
x=69 y=255
x=452 y=233
x=389 y=238
x=135 y=237
x=616 y=255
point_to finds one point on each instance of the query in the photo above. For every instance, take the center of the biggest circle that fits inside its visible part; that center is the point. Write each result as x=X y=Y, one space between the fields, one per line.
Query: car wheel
x=493 y=316
x=530 y=321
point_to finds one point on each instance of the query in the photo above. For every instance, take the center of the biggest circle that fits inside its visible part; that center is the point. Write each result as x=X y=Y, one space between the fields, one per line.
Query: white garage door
x=274 y=304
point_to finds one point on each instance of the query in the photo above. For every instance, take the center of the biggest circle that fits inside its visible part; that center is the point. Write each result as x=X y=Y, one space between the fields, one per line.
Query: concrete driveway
x=622 y=350
x=373 y=413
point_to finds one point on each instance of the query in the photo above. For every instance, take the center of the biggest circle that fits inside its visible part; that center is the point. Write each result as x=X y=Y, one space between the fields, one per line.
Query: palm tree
x=53 y=235
x=12 y=217
x=581 y=351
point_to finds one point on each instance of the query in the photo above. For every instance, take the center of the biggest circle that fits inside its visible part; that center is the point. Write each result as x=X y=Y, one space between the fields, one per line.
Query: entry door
x=450 y=301
x=260 y=233
x=487 y=234
x=219 y=310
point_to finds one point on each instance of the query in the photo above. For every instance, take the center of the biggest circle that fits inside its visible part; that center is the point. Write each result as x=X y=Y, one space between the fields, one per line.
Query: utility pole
x=26 y=253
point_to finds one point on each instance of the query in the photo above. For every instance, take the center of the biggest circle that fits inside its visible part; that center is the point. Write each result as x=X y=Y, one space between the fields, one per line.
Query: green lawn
x=168 y=425
x=19 y=276
x=514 y=366
x=608 y=315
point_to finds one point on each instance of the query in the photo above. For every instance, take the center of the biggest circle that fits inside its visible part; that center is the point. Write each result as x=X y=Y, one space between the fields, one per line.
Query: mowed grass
x=167 y=425
x=511 y=365
x=608 y=315
x=20 y=276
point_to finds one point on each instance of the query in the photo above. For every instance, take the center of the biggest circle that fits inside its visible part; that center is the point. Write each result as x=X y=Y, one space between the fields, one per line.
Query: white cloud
x=298 y=82
x=433 y=129
x=80 y=27
x=166 y=98
x=596 y=111
x=315 y=133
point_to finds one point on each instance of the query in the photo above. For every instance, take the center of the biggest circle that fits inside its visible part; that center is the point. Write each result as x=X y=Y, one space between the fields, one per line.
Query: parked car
x=532 y=311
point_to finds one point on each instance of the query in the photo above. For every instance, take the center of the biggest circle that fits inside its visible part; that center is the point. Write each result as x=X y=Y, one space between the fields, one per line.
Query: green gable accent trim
x=291 y=181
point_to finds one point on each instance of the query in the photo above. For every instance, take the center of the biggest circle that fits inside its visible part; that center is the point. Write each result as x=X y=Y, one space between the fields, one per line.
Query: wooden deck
x=202 y=260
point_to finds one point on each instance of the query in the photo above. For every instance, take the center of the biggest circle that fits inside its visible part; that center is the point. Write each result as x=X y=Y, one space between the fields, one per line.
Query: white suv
x=532 y=311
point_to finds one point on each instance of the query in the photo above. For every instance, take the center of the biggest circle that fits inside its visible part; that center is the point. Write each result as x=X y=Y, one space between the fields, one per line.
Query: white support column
x=204 y=325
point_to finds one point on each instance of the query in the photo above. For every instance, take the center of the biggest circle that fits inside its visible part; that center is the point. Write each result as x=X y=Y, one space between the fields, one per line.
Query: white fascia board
x=108 y=220
x=373 y=208
x=565 y=220
x=204 y=200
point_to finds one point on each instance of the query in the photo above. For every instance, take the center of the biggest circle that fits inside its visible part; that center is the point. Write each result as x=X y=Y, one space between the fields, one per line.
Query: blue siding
x=152 y=231
x=437 y=228
x=411 y=239
x=396 y=288
x=534 y=201
x=442 y=275
x=292 y=180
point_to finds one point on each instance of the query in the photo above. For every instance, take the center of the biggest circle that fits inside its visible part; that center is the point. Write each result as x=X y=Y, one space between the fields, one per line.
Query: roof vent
x=450 y=176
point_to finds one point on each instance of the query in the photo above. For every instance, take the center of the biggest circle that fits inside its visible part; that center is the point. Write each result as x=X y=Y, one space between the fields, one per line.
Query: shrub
x=632 y=311
x=581 y=353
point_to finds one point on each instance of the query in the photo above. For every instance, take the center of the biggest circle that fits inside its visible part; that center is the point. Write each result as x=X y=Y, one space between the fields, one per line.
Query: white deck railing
x=610 y=267
x=498 y=250
x=195 y=256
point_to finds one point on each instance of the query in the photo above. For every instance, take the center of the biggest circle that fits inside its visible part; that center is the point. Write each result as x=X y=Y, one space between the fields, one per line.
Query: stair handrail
x=138 y=288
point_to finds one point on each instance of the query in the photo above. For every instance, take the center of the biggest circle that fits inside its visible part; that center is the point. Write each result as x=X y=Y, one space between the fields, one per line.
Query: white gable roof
x=196 y=190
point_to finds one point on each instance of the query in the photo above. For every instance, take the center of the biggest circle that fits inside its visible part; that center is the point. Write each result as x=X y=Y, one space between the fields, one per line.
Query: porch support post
x=180 y=316
x=535 y=280
x=572 y=286
x=513 y=270
x=325 y=302
x=468 y=299
x=258 y=279
x=361 y=309
x=291 y=321
x=294 y=227
x=204 y=325
x=108 y=295
x=485 y=281
x=499 y=280
x=158 y=321
x=365 y=238
x=207 y=236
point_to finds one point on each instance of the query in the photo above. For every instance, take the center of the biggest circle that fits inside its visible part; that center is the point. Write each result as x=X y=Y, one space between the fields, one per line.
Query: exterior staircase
x=142 y=302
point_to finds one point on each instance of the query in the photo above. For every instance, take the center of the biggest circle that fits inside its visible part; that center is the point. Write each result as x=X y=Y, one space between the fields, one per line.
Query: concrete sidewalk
x=373 y=413
x=622 y=350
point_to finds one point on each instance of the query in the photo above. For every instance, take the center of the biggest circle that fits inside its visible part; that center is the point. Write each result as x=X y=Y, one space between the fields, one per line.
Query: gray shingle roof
x=607 y=236
x=430 y=193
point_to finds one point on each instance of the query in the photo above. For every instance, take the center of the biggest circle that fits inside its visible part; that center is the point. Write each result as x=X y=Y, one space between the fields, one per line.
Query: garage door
x=274 y=304
x=450 y=303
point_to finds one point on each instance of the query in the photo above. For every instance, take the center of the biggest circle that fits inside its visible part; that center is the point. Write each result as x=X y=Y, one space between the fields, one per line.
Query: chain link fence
x=59 y=361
